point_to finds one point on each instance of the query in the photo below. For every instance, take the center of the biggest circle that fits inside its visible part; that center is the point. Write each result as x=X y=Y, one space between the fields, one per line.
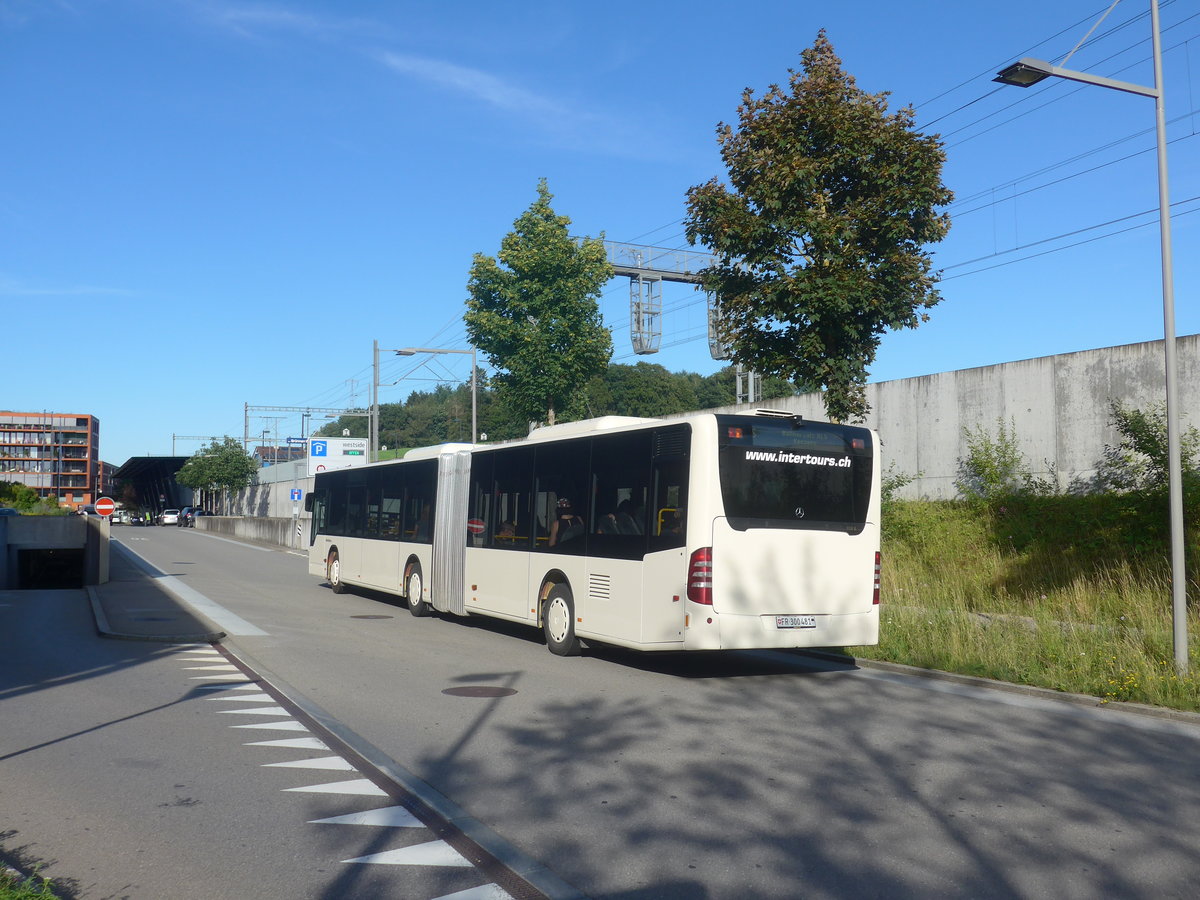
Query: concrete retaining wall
x=263 y=529
x=1059 y=405
x=34 y=533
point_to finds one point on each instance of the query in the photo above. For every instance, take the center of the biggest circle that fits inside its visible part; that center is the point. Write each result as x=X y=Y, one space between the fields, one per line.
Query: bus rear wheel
x=412 y=585
x=333 y=572
x=558 y=622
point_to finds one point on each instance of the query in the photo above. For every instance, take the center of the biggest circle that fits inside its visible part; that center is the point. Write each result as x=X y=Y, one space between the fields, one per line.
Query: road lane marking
x=325 y=763
x=483 y=892
x=430 y=853
x=257 y=711
x=386 y=817
x=290 y=725
x=357 y=787
x=305 y=743
x=243 y=698
x=227 y=620
x=435 y=853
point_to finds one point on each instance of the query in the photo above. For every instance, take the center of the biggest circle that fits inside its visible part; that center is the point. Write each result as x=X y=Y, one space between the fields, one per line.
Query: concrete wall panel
x=1059 y=405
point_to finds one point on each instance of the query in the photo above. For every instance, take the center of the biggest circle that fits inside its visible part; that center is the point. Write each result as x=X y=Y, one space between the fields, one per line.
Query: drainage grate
x=372 y=617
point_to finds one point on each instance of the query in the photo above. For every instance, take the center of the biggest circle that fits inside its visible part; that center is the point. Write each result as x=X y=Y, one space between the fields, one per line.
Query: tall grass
x=1064 y=592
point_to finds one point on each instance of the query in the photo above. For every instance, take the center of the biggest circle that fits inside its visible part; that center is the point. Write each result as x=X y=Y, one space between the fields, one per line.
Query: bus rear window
x=787 y=473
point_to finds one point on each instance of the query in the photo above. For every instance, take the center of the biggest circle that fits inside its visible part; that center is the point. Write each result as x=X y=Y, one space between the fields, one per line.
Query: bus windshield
x=788 y=473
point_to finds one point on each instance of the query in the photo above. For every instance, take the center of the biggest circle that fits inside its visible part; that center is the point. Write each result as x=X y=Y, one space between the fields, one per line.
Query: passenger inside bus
x=567 y=525
x=622 y=521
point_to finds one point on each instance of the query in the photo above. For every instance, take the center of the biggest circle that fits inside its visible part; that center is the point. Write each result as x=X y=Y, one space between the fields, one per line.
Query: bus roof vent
x=778 y=413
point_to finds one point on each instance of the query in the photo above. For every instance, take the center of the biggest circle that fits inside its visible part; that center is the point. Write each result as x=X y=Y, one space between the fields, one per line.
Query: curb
x=106 y=630
x=1119 y=707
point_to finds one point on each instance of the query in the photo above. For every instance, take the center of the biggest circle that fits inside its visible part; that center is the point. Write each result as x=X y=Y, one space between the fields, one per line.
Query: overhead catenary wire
x=696 y=299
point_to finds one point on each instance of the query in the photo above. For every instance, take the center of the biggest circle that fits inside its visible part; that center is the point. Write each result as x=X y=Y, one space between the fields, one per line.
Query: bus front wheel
x=333 y=571
x=558 y=621
x=412 y=584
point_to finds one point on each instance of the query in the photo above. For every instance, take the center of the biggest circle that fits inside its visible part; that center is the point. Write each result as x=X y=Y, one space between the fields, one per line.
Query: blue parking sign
x=318 y=448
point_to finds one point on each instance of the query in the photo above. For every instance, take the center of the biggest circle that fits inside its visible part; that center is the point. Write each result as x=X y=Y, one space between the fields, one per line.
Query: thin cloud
x=11 y=288
x=564 y=124
x=474 y=83
x=253 y=20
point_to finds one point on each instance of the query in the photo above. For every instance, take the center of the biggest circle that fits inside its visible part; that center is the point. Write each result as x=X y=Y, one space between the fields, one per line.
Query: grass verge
x=1067 y=593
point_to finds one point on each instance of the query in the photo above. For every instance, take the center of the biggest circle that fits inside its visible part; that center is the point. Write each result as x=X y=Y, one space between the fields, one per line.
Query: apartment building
x=55 y=454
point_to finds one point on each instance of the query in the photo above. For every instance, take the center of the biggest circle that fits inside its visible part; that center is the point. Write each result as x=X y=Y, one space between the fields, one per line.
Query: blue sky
x=209 y=204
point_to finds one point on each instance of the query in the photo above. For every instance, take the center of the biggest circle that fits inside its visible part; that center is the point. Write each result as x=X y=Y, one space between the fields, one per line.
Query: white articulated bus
x=707 y=532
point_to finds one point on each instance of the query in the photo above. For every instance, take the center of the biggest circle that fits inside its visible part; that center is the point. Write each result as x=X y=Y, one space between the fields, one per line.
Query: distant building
x=273 y=454
x=55 y=454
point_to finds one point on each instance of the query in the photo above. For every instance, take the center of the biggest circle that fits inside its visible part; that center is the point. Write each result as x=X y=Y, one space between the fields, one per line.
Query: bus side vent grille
x=600 y=587
x=671 y=443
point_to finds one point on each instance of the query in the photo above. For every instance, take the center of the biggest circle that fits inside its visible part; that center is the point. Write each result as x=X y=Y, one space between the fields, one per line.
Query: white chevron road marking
x=290 y=725
x=304 y=743
x=329 y=763
x=359 y=787
x=386 y=817
x=434 y=853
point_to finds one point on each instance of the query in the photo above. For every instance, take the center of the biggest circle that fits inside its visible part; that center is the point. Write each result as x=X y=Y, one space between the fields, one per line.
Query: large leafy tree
x=821 y=236
x=533 y=310
x=222 y=465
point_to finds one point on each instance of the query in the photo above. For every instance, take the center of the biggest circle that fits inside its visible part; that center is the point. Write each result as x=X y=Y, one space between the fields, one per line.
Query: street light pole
x=1027 y=72
x=373 y=421
x=412 y=351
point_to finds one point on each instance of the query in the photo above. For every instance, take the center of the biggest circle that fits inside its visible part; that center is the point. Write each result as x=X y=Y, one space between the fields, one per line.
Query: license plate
x=795 y=621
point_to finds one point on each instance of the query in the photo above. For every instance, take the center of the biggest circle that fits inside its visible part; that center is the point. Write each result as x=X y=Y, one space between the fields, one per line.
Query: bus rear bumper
x=708 y=630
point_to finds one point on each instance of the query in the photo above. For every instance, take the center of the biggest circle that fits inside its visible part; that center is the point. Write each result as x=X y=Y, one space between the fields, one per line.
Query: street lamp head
x=407 y=351
x=1025 y=72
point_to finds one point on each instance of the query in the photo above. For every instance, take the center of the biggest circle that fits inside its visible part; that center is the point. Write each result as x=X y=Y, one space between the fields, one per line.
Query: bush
x=995 y=468
x=1138 y=464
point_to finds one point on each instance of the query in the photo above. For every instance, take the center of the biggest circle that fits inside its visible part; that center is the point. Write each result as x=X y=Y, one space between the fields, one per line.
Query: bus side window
x=479 y=505
x=620 y=488
x=562 y=478
x=512 y=511
x=670 y=498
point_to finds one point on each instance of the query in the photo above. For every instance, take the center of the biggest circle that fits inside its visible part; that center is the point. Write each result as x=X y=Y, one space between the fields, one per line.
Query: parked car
x=188 y=520
x=9 y=511
x=169 y=517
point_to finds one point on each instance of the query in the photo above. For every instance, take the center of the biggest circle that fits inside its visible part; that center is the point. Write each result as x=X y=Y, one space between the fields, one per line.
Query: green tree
x=820 y=238
x=18 y=496
x=533 y=310
x=221 y=466
x=644 y=389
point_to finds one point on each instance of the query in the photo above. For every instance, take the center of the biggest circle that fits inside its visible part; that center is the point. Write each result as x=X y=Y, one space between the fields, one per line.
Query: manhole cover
x=371 y=617
x=479 y=690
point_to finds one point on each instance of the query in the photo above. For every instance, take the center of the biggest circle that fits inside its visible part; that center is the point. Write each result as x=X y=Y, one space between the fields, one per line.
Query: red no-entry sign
x=105 y=506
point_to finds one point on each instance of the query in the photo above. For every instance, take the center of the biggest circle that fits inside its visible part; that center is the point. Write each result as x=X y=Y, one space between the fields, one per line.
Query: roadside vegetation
x=1023 y=582
x=14 y=886
x=24 y=498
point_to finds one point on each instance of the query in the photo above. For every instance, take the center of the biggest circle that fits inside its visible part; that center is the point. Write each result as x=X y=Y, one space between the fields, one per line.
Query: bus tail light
x=699 y=582
x=875 y=596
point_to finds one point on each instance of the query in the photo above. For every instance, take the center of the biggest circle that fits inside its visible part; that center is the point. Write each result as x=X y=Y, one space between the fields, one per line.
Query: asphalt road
x=744 y=775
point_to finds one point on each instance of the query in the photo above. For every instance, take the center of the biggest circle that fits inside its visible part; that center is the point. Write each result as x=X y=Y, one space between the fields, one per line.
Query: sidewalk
x=135 y=606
